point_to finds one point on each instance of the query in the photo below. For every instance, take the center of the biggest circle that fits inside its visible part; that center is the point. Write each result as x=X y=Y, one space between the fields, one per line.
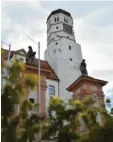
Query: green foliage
x=99 y=132
x=111 y=110
x=2 y=51
x=108 y=101
x=65 y=118
x=31 y=80
x=14 y=71
x=63 y=121
x=23 y=126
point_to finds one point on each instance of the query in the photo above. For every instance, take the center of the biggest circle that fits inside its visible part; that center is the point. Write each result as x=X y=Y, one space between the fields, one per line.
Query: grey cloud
x=25 y=17
x=76 y=8
x=96 y=27
x=103 y=74
x=30 y=17
x=100 y=17
x=92 y=34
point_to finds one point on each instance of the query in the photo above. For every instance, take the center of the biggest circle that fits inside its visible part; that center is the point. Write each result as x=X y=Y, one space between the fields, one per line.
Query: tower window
x=56 y=43
x=65 y=20
x=70 y=59
x=57 y=27
x=31 y=100
x=67 y=36
x=51 y=90
x=57 y=18
x=69 y=47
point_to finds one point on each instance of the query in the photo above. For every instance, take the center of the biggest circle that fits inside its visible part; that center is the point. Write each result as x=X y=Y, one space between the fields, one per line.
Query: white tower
x=63 y=53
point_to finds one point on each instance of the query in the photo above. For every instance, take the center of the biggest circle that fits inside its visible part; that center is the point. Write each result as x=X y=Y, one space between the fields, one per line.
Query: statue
x=83 y=68
x=30 y=57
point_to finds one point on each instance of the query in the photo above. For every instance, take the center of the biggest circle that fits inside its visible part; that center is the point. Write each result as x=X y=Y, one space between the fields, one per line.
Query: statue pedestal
x=86 y=86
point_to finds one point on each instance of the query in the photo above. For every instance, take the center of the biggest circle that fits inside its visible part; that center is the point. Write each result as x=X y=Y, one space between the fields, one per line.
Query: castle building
x=60 y=71
x=63 y=53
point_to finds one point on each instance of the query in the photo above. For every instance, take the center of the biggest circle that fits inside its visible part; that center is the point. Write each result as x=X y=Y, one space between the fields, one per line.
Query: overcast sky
x=93 y=26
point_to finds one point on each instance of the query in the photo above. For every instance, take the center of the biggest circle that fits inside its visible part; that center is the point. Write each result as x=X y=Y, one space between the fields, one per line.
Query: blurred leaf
x=31 y=80
x=108 y=101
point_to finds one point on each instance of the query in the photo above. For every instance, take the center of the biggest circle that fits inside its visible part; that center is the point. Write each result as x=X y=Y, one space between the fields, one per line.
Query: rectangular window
x=51 y=90
x=70 y=59
x=69 y=47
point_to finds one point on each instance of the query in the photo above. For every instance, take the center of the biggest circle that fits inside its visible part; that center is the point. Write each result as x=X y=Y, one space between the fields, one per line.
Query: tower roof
x=59 y=11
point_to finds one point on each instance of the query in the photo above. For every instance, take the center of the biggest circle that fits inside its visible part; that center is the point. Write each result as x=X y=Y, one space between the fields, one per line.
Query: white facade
x=63 y=53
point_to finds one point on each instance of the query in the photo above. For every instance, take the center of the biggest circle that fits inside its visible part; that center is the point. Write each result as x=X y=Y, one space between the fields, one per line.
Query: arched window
x=96 y=103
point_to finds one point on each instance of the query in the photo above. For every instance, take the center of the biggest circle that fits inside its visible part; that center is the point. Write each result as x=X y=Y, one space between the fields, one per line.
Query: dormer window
x=57 y=27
